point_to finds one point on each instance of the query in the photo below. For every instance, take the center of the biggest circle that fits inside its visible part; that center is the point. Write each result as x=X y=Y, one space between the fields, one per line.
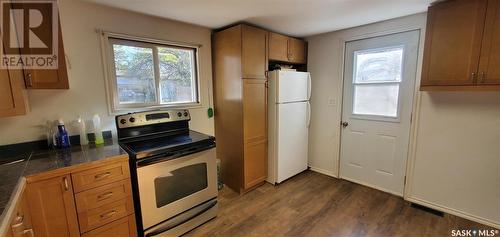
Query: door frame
x=416 y=94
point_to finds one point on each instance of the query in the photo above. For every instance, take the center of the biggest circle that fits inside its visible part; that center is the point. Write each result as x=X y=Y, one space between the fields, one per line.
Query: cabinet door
x=255 y=132
x=296 y=50
x=489 y=66
x=52 y=207
x=278 y=47
x=255 y=163
x=254 y=110
x=21 y=221
x=453 y=43
x=49 y=79
x=254 y=52
x=12 y=97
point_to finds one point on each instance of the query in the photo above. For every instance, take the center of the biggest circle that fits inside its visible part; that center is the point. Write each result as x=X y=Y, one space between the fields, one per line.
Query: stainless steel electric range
x=174 y=173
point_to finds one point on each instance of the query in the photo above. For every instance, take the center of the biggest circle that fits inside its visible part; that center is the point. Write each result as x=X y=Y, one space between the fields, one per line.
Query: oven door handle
x=182 y=218
x=170 y=156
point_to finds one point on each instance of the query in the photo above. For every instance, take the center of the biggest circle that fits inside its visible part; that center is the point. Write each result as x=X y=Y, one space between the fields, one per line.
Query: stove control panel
x=151 y=117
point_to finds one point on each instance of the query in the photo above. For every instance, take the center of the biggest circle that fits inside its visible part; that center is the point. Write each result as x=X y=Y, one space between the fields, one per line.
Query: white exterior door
x=379 y=80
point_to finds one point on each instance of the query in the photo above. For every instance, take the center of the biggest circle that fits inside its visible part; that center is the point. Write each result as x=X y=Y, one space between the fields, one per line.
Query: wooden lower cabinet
x=52 y=207
x=255 y=162
x=20 y=222
x=124 y=227
x=102 y=205
x=100 y=216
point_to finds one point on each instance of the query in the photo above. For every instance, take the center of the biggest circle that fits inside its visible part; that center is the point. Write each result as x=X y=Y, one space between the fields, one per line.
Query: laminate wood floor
x=312 y=204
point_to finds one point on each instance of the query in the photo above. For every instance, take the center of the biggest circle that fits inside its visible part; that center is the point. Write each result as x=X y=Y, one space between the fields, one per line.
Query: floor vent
x=426 y=209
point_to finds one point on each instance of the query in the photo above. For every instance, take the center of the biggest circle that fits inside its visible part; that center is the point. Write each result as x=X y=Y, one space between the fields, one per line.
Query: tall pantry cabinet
x=240 y=92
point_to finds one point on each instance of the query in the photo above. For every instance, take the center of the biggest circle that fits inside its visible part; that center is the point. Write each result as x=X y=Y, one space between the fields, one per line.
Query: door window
x=180 y=183
x=376 y=81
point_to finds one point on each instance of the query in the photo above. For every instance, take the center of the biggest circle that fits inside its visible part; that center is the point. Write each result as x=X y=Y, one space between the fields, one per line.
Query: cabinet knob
x=483 y=77
x=29 y=79
x=473 y=77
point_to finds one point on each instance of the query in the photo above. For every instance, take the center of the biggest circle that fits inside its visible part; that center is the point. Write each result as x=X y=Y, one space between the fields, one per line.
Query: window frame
x=109 y=39
x=372 y=117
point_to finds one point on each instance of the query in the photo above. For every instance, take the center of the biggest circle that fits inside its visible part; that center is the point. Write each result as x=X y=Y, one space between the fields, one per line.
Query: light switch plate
x=331 y=102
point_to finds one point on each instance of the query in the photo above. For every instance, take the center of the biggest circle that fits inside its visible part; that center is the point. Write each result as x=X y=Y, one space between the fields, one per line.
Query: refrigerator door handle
x=308 y=114
x=309 y=86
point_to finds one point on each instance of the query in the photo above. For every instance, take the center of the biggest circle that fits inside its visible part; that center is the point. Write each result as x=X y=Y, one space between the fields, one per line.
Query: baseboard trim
x=373 y=186
x=323 y=171
x=454 y=212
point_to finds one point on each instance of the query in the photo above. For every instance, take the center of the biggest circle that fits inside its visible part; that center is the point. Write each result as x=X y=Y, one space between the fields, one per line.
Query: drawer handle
x=66 y=184
x=108 y=214
x=105 y=196
x=102 y=176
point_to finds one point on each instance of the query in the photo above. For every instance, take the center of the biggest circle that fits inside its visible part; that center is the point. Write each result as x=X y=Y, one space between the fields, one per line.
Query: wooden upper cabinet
x=254 y=52
x=286 y=49
x=489 y=64
x=453 y=43
x=296 y=51
x=52 y=207
x=49 y=79
x=12 y=93
x=278 y=47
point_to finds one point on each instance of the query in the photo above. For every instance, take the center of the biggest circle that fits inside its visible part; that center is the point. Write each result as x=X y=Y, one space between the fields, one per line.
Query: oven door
x=168 y=188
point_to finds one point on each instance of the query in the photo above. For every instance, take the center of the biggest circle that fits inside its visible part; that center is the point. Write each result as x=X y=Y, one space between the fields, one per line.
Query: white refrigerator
x=289 y=118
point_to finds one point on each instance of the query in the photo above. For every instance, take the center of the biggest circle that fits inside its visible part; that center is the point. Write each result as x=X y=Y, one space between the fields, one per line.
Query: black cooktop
x=157 y=144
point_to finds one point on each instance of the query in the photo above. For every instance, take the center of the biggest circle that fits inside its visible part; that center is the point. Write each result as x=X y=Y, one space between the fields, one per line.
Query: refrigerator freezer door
x=292 y=139
x=293 y=86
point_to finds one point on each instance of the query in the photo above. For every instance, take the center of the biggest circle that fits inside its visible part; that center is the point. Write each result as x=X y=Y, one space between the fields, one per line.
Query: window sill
x=117 y=111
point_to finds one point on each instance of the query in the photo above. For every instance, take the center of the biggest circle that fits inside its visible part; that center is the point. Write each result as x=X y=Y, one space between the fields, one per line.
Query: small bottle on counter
x=83 y=132
x=99 y=139
x=62 y=135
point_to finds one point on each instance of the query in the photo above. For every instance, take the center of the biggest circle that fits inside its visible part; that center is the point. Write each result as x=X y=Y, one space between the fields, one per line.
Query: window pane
x=380 y=65
x=378 y=99
x=134 y=74
x=177 y=75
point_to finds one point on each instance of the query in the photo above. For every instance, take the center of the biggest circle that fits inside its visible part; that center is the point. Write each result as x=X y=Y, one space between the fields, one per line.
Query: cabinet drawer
x=100 y=176
x=103 y=215
x=100 y=196
x=124 y=227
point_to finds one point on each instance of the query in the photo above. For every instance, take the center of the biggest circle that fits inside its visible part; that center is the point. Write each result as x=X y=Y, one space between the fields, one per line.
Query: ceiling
x=293 y=17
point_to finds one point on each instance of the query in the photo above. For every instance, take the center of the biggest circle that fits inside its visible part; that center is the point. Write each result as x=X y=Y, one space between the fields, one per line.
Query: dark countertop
x=37 y=162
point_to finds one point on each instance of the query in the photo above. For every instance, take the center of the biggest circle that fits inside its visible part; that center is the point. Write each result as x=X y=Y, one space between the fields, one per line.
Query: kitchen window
x=151 y=74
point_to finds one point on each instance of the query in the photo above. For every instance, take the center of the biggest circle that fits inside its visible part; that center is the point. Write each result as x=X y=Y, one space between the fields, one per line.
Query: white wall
x=87 y=94
x=325 y=62
x=454 y=160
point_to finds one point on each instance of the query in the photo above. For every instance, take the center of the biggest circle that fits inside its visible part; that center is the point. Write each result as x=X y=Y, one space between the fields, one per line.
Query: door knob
x=345 y=124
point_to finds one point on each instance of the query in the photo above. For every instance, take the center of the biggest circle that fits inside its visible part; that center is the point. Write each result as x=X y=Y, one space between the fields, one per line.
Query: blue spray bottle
x=62 y=135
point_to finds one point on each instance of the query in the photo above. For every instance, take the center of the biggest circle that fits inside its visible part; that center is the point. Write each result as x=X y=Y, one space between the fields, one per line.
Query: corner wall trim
x=323 y=171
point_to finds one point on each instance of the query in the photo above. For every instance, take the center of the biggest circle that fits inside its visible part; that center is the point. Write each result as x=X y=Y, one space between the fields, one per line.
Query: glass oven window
x=182 y=183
